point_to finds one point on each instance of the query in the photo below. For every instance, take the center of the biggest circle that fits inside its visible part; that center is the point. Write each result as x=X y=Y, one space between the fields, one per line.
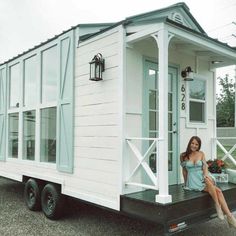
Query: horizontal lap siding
x=97 y=125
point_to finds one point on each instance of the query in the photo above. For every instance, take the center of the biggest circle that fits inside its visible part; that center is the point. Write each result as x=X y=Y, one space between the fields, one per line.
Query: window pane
x=152 y=162
x=29 y=135
x=170 y=83
x=30 y=72
x=170 y=121
x=152 y=100
x=197 y=89
x=152 y=83
x=197 y=111
x=170 y=102
x=170 y=161
x=15 y=85
x=48 y=135
x=1 y=90
x=152 y=120
x=49 y=74
x=13 y=135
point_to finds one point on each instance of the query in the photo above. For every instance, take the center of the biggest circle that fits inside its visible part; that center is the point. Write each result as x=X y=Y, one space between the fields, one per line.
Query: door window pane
x=48 y=135
x=49 y=74
x=152 y=162
x=29 y=135
x=30 y=89
x=15 y=85
x=152 y=120
x=170 y=161
x=152 y=82
x=13 y=135
x=152 y=100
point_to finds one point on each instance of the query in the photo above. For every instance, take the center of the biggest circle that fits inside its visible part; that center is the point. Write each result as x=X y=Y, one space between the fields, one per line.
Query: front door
x=151 y=115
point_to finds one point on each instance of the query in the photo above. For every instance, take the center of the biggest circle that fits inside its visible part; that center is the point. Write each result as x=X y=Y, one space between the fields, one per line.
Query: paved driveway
x=82 y=219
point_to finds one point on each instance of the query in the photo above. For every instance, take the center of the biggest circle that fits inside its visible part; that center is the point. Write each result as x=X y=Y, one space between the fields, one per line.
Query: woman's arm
x=185 y=174
x=184 y=170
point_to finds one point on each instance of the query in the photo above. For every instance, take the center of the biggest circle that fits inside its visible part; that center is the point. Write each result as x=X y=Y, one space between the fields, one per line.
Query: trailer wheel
x=32 y=192
x=51 y=201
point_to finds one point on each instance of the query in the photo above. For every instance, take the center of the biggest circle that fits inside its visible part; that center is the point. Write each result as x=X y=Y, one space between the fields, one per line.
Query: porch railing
x=227 y=154
x=141 y=161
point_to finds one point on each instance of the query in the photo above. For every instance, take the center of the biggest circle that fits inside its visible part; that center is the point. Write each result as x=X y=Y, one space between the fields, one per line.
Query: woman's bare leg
x=222 y=202
x=211 y=189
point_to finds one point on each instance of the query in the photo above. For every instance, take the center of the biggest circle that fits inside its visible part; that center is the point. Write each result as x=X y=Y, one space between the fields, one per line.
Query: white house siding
x=97 y=124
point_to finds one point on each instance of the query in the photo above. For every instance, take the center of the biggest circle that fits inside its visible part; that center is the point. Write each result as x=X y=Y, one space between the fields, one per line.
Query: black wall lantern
x=97 y=66
x=187 y=74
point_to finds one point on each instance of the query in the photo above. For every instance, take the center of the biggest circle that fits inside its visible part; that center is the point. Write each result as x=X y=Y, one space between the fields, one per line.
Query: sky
x=26 y=23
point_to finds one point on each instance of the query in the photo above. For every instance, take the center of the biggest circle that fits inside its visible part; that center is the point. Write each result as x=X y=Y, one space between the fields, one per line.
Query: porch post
x=162 y=38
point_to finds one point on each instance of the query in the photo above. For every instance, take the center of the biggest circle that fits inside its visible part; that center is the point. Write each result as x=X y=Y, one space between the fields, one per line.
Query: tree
x=226 y=103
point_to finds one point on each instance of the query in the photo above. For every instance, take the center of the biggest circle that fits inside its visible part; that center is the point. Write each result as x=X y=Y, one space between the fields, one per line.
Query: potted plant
x=215 y=166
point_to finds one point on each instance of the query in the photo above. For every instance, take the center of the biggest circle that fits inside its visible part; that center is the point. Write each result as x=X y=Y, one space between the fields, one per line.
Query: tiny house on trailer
x=113 y=138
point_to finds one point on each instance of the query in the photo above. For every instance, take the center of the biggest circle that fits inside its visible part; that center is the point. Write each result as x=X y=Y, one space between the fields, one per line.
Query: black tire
x=32 y=194
x=51 y=201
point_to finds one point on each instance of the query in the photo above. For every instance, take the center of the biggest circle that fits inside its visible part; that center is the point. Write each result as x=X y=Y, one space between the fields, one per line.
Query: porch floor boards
x=186 y=206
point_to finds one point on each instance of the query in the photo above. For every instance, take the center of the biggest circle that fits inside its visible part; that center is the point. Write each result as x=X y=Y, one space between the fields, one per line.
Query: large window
x=30 y=75
x=49 y=75
x=1 y=91
x=15 y=85
x=29 y=135
x=197 y=101
x=13 y=135
x=48 y=135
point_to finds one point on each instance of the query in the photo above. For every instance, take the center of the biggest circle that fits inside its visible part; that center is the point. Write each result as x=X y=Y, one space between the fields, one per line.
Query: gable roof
x=179 y=8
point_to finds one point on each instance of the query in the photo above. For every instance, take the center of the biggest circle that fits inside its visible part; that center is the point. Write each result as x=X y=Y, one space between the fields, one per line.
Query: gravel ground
x=82 y=219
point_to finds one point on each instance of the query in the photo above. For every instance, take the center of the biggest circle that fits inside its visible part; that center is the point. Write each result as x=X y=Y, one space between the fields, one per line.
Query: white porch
x=167 y=45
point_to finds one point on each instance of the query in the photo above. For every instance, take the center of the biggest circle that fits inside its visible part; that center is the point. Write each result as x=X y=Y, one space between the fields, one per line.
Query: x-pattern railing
x=228 y=154
x=142 y=162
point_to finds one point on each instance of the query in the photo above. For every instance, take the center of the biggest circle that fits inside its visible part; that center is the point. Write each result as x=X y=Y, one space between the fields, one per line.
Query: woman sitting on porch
x=196 y=177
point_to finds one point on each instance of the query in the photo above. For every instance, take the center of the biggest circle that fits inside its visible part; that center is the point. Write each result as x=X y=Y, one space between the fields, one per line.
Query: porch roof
x=201 y=44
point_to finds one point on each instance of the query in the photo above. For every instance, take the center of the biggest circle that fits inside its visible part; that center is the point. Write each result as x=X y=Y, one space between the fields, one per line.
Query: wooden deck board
x=177 y=192
x=186 y=206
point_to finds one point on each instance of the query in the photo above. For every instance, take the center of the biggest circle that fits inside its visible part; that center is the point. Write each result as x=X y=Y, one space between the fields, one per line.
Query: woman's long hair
x=188 y=150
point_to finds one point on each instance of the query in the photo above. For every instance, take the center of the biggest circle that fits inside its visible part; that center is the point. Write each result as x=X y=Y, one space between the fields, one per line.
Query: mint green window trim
x=3 y=104
x=65 y=155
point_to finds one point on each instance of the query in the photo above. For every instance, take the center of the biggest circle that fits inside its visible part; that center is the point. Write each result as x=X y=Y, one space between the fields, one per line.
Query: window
x=29 y=135
x=48 y=135
x=49 y=75
x=1 y=90
x=15 y=85
x=13 y=135
x=30 y=74
x=197 y=101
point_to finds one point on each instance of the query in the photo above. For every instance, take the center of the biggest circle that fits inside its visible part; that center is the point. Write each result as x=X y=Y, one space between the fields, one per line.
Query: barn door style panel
x=2 y=113
x=65 y=104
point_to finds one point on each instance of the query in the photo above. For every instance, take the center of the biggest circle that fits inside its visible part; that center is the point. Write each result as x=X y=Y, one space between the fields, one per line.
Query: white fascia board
x=99 y=36
x=139 y=27
x=202 y=41
x=144 y=33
